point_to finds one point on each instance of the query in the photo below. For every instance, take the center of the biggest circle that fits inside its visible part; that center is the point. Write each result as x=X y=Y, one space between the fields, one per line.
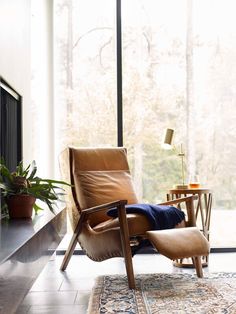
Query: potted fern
x=20 y=190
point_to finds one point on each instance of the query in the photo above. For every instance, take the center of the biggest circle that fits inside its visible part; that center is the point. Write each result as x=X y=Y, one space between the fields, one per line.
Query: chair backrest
x=100 y=175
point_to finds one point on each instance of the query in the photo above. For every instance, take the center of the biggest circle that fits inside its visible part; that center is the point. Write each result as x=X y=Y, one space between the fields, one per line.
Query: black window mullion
x=119 y=74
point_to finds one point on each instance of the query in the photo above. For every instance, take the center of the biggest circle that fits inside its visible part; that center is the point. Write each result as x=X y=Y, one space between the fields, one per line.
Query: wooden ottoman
x=180 y=243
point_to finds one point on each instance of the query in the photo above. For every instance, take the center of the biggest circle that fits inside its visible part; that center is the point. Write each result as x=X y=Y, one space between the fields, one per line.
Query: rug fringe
x=94 y=304
x=140 y=302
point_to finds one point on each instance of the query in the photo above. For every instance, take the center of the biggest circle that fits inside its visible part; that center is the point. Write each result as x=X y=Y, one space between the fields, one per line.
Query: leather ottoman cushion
x=179 y=242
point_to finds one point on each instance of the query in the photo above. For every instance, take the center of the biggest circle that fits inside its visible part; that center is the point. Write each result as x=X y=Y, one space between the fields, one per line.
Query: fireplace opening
x=11 y=126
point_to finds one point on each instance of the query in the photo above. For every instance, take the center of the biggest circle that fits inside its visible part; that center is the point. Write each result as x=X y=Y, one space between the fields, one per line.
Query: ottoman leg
x=198 y=266
x=181 y=243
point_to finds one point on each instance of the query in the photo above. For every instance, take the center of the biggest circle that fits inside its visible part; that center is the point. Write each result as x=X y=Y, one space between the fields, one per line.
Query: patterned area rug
x=165 y=294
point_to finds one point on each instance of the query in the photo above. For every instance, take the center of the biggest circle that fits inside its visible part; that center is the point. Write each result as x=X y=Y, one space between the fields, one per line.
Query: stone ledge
x=25 y=247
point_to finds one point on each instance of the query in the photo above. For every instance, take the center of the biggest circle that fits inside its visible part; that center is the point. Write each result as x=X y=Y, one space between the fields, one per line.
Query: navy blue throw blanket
x=161 y=216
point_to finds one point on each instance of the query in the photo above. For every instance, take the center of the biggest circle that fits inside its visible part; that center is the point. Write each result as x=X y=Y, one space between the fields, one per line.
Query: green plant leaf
x=3 y=186
x=50 y=205
x=34 y=170
x=55 y=181
x=19 y=169
x=48 y=191
x=37 y=208
x=5 y=172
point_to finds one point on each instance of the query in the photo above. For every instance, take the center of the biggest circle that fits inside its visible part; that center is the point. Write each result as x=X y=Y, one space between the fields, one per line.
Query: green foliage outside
x=169 y=80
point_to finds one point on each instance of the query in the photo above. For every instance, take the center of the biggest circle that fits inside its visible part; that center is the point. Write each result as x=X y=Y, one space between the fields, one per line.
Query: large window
x=85 y=72
x=179 y=71
x=154 y=79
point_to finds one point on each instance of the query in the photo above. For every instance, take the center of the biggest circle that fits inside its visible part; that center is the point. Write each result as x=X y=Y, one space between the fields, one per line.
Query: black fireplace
x=11 y=125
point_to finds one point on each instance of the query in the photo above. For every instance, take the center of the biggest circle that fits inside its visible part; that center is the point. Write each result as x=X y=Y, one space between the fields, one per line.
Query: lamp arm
x=181 y=154
x=168 y=141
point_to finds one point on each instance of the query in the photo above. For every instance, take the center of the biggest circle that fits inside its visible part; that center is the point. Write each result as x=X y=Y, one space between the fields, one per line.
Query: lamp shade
x=168 y=138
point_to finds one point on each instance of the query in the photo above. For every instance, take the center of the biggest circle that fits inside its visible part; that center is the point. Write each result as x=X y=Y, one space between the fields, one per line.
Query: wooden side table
x=202 y=209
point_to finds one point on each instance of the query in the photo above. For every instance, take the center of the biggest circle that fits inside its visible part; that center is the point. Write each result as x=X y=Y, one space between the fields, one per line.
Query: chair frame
x=124 y=232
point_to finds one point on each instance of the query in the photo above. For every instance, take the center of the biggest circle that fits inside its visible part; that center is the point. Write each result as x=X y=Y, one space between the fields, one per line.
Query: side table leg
x=198 y=266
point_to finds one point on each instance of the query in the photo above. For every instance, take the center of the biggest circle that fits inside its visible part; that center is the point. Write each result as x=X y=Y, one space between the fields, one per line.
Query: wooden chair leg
x=71 y=247
x=198 y=266
x=69 y=252
x=126 y=246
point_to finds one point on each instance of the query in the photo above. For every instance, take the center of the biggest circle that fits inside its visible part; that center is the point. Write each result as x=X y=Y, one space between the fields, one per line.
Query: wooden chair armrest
x=180 y=200
x=105 y=206
x=88 y=211
x=189 y=207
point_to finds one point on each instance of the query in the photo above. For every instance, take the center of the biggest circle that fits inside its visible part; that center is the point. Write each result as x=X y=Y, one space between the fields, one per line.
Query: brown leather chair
x=101 y=180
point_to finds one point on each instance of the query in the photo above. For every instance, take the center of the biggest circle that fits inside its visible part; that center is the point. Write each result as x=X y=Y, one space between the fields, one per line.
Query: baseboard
x=151 y=250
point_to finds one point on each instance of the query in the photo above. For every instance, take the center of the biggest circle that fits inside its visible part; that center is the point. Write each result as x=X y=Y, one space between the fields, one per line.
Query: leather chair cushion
x=138 y=224
x=100 y=187
x=95 y=159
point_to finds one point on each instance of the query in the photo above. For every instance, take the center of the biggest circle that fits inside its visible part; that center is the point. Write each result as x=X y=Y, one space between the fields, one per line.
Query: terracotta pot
x=20 y=206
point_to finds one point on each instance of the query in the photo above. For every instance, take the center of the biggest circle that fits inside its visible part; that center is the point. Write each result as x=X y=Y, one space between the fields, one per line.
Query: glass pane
x=178 y=72
x=215 y=110
x=85 y=73
x=154 y=91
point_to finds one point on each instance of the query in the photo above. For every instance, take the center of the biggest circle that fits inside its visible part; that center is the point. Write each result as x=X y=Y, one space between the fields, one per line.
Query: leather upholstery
x=72 y=205
x=99 y=159
x=98 y=176
x=100 y=187
x=138 y=224
x=101 y=175
x=102 y=245
x=179 y=243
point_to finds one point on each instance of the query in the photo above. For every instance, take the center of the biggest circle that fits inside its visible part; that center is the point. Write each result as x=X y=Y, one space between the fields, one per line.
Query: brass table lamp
x=167 y=144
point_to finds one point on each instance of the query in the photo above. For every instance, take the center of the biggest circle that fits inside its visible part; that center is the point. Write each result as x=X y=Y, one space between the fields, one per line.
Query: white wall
x=42 y=85
x=15 y=57
x=26 y=64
